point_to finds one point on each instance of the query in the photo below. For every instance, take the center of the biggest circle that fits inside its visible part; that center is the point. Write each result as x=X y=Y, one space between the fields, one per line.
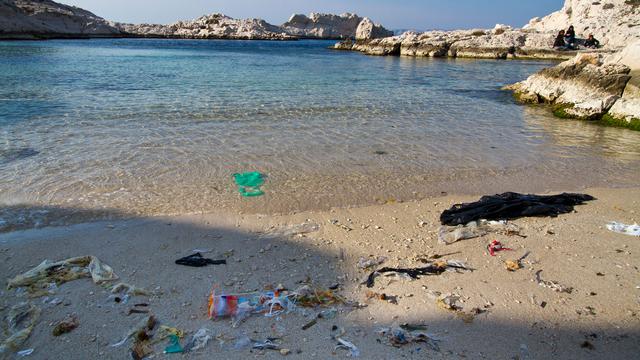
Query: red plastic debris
x=496 y=246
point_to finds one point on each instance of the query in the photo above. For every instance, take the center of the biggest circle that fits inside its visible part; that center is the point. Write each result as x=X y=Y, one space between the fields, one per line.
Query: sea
x=116 y=128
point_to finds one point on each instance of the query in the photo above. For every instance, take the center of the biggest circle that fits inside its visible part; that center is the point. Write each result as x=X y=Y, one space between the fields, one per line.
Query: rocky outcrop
x=367 y=30
x=324 y=26
x=499 y=43
x=46 y=19
x=213 y=26
x=584 y=87
x=615 y=23
x=590 y=86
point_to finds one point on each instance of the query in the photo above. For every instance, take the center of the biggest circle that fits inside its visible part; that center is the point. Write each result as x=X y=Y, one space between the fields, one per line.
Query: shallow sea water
x=134 y=127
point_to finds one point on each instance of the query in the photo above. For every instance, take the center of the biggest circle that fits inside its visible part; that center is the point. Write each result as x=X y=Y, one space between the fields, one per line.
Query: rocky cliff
x=615 y=23
x=590 y=86
x=44 y=18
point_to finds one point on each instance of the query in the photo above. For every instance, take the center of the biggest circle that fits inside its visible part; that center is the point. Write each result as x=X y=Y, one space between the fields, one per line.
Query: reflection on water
x=144 y=126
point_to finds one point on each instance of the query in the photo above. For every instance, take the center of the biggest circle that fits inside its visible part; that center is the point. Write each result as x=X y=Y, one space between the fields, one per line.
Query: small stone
x=285 y=352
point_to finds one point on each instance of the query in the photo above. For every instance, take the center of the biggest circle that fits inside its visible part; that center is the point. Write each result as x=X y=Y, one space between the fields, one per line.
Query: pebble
x=285 y=352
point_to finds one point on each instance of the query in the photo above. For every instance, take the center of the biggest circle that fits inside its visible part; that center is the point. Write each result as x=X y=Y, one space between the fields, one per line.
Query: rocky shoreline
x=29 y=19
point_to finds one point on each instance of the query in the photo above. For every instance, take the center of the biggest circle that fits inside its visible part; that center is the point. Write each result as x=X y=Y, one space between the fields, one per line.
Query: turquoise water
x=145 y=127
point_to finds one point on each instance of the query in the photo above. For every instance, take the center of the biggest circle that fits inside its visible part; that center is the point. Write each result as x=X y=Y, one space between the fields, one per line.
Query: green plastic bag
x=249 y=183
x=174 y=346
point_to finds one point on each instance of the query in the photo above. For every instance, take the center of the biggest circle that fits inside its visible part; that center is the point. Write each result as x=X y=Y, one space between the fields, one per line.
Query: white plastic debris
x=344 y=344
x=25 y=352
x=633 y=230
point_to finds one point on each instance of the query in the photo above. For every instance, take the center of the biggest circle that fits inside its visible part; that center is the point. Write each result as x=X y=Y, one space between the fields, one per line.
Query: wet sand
x=599 y=319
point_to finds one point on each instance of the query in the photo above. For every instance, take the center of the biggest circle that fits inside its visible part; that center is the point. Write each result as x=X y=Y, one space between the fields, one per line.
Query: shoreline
x=572 y=249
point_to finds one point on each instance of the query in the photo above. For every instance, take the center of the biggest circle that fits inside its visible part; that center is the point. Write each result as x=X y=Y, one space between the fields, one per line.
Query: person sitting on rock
x=559 y=41
x=591 y=42
x=570 y=38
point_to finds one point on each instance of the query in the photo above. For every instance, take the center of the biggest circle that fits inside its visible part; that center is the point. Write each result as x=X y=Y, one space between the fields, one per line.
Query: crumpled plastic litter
x=364 y=263
x=398 y=336
x=144 y=326
x=307 y=296
x=496 y=246
x=265 y=345
x=39 y=279
x=435 y=268
x=198 y=340
x=344 y=344
x=553 y=285
x=249 y=183
x=66 y=325
x=242 y=342
x=174 y=345
x=25 y=352
x=450 y=234
x=633 y=230
x=240 y=306
x=121 y=292
x=512 y=205
x=197 y=260
x=20 y=322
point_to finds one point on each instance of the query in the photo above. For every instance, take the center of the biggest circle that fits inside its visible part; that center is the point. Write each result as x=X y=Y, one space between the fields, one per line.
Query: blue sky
x=397 y=14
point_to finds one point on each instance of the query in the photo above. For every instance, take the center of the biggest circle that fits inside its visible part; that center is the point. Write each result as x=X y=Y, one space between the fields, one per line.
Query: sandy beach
x=517 y=318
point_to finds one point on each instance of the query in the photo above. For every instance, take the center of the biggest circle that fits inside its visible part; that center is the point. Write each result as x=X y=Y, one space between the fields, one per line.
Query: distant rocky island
x=45 y=19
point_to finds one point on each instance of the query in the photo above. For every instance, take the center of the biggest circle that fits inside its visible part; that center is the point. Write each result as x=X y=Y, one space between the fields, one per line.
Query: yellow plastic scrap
x=21 y=320
x=166 y=331
x=310 y=297
x=38 y=279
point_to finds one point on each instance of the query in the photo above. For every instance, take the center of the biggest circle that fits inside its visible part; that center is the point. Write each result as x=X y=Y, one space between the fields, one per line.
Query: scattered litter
x=265 y=345
x=249 y=183
x=240 y=306
x=383 y=297
x=145 y=325
x=553 y=285
x=344 y=344
x=174 y=345
x=25 y=352
x=633 y=230
x=168 y=331
x=450 y=234
x=121 y=292
x=196 y=260
x=324 y=314
x=495 y=247
x=20 y=322
x=199 y=340
x=340 y=225
x=39 y=279
x=450 y=302
x=435 y=268
x=512 y=265
x=398 y=336
x=364 y=263
x=511 y=205
x=66 y=325
x=306 y=296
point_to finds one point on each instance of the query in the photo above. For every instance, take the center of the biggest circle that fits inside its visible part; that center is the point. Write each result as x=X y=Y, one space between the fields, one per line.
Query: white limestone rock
x=367 y=30
x=583 y=87
x=615 y=23
x=326 y=26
